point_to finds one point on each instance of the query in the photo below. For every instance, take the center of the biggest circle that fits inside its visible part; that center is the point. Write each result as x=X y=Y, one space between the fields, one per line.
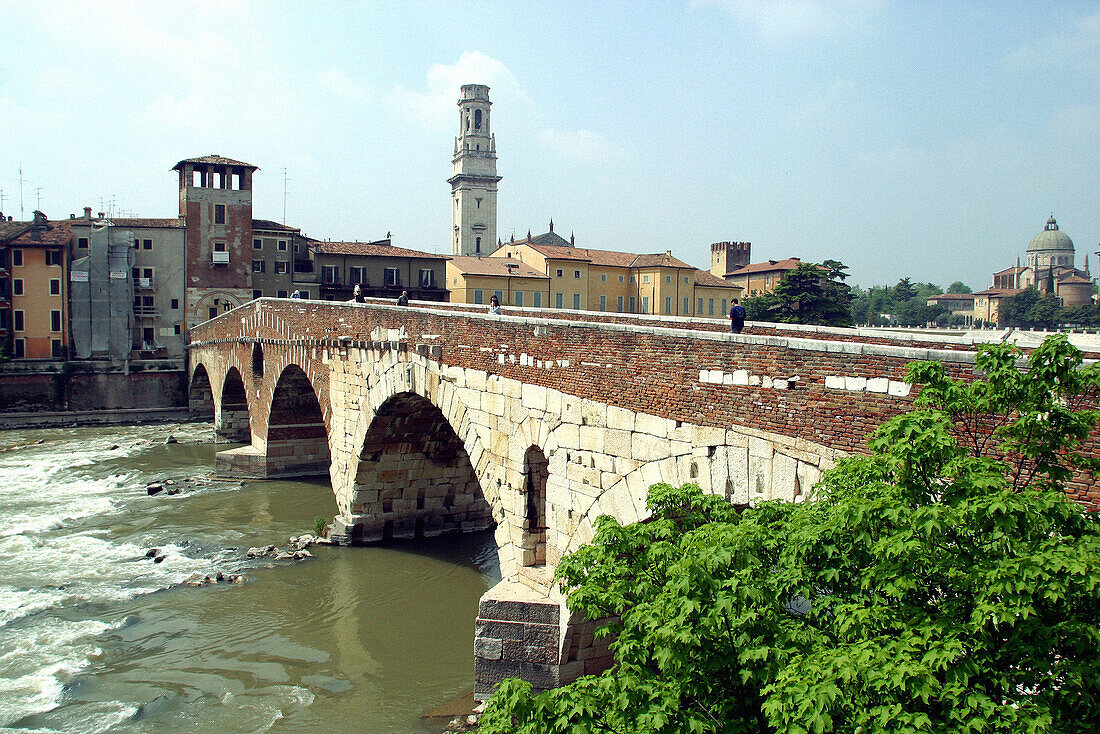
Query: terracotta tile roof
x=710 y=280
x=605 y=258
x=269 y=226
x=1012 y=270
x=132 y=222
x=952 y=297
x=495 y=266
x=382 y=248
x=216 y=160
x=57 y=233
x=12 y=229
x=789 y=263
x=1075 y=278
x=1000 y=292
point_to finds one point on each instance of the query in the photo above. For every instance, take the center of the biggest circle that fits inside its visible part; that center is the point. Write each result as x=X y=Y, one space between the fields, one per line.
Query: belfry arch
x=536 y=470
x=414 y=476
x=231 y=419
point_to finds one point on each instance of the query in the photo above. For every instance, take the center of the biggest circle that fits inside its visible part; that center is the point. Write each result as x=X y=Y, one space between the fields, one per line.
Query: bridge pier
x=524 y=633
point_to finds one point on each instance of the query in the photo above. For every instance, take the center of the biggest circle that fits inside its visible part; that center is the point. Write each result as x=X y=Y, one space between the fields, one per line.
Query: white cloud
x=1080 y=43
x=435 y=107
x=583 y=146
x=800 y=19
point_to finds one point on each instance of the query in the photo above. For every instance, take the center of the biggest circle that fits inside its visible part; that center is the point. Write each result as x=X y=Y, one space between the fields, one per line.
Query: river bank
x=96 y=636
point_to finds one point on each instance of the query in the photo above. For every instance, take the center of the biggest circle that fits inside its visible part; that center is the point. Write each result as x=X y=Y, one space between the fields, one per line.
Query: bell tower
x=474 y=179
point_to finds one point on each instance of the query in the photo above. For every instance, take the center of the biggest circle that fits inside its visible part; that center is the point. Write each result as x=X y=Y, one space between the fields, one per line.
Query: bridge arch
x=296 y=442
x=231 y=423
x=200 y=395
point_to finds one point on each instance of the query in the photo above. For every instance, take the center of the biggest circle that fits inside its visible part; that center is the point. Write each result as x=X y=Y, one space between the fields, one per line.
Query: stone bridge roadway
x=439 y=419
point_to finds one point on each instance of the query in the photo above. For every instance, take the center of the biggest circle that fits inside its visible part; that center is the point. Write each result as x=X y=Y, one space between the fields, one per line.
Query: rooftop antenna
x=38 y=198
x=2 y=197
x=21 y=217
x=285 y=180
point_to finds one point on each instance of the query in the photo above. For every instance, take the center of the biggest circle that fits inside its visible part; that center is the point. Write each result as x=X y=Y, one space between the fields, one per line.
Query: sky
x=928 y=140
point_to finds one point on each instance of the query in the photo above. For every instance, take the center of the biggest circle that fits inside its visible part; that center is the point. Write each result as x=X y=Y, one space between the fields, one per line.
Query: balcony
x=219 y=258
x=146 y=284
x=146 y=312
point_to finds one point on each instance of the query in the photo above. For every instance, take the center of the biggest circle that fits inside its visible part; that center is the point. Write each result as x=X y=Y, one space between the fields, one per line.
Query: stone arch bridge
x=440 y=419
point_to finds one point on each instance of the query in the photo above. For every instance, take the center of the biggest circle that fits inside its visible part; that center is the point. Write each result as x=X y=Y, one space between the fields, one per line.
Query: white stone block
x=645 y=447
x=727 y=378
x=703 y=375
x=754 y=380
x=620 y=418
x=653 y=425
x=593 y=413
x=834 y=382
x=779 y=384
x=741 y=377
x=766 y=382
x=899 y=389
x=855 y=384
x=784 y=477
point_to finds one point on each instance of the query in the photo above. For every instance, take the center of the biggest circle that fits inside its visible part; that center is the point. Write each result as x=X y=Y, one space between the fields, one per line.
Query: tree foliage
x=808 y=294
x=944 y=583
x=906 y=304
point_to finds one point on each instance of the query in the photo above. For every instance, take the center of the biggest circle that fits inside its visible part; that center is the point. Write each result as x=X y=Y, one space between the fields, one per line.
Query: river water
x=96 y=637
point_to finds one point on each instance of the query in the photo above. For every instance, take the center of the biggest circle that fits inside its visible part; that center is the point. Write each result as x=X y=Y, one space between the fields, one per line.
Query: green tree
x=808 y=294
x=904 y=290
x=959 y=287
x=944 y=583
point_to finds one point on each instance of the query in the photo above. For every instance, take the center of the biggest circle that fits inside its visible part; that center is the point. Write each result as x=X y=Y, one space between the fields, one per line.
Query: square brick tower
x=216 y=211
x=725 y=257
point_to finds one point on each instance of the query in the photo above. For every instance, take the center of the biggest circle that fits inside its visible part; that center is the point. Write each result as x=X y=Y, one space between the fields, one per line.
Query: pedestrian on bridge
x=357 y=294
x=494 y=305
x=403 y=299
x=737 y=317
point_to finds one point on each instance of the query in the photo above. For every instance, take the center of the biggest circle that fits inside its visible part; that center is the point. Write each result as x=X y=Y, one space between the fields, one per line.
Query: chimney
x=39 y=219
x=101 y=215
x=88 y=212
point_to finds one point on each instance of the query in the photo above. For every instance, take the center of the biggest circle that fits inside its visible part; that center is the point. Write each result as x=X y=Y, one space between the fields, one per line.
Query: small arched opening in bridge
x=257 y=360
x=200 y=396
x=415 y=478
x=536 y=470
x=297 y=442
x=231 y=421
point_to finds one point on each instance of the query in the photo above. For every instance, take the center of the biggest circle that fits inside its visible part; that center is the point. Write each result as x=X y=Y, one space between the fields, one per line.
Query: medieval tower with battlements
x=474 y=181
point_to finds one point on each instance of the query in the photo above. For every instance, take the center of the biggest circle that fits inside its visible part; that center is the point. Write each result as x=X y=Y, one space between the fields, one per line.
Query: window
x=619 y=304
x=281 y=294
x=17 y=259
x=82 y=242
x=255 y=294
x=427 y=278
x=499 y=295
x=710 y=307
x=699 y=309
x=329 y=274
x=53 y=257
x=517 y=297
x=577 y=301
x=536 y=300
x=357 y=274
x=147 y=244
x=687 y=306
x=633 y=279
x=603 y=277
x=55 y=349
x=213 y=312
x=559 y=272
x=55 y=320
x=17 y=286
x=479 y=296
x=668 y=278
x=621 y=279
x=17 y=319
x=20 y=349
x=633 y=303
x=603 y=303
x=282 y=266
x=576 y=273
x=295 y=247
x=645 y=278
x=645 y=304
x=55 y=286
x=392 y=277
x=477 y=245
x=686 y=280
x=176 y=329
x=477 y=119
x=257 y=244
x=219 y=214
x=668 y=304
x=219 y=247
x=724 y=310
x=281 y=247
x=558 y=301
x=258 y=266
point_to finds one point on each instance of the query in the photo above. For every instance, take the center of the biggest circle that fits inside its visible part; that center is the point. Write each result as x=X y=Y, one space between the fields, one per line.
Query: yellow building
x=760 y=278
x=477 y=279
x=620 y=282
x=37 y=289
x=987 y=304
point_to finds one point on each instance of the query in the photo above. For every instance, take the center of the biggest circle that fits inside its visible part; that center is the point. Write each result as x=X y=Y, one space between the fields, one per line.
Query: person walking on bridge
x=737 y=317
x=403 y=299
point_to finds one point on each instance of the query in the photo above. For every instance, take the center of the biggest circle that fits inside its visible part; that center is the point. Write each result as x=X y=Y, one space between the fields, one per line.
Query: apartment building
x=378 y=268
x=34 y=279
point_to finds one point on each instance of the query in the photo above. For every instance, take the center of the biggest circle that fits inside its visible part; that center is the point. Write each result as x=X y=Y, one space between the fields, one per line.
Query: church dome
x=1051 y=238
